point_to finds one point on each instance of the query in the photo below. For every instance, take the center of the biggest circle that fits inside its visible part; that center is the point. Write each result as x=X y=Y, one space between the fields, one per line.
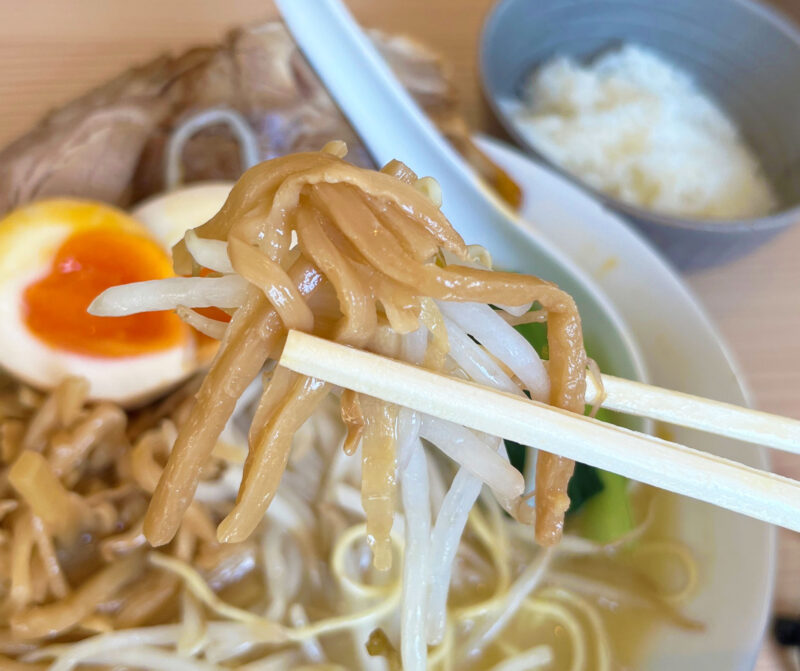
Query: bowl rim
x=650 y=265
x=775 y=221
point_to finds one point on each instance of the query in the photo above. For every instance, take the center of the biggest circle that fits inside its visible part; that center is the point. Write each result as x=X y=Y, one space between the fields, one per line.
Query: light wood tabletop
x=53 y=50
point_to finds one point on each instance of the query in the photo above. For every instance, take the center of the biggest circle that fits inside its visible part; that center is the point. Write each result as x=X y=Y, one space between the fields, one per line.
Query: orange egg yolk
x=86 y=264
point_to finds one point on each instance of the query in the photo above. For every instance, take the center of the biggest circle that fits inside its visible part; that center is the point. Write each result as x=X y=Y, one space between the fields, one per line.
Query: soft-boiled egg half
x=56 y=256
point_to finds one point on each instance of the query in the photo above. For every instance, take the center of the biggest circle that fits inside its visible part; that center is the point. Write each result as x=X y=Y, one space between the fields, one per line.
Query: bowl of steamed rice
x=661 y=110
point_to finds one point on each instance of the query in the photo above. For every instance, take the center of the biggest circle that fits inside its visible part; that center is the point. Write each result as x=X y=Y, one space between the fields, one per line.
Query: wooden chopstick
x=696 y=412
x=677 y=468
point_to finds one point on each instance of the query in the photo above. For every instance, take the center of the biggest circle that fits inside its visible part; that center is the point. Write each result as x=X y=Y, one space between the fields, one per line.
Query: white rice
x=636 y=127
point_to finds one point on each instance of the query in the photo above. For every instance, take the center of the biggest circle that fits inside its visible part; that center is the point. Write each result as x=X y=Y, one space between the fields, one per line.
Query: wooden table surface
x=52 y=50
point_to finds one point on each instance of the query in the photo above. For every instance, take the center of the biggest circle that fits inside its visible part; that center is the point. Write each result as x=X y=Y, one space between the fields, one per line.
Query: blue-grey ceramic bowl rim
x=771 y=222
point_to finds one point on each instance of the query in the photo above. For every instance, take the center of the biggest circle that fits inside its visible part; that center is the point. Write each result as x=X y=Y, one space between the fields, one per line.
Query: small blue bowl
x=746 y=56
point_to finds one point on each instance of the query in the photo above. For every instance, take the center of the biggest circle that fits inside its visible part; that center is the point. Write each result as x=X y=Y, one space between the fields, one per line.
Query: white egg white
x=169 y=215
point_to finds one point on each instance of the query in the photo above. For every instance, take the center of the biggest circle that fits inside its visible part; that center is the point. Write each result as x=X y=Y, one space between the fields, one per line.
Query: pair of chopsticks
x=671 y=466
